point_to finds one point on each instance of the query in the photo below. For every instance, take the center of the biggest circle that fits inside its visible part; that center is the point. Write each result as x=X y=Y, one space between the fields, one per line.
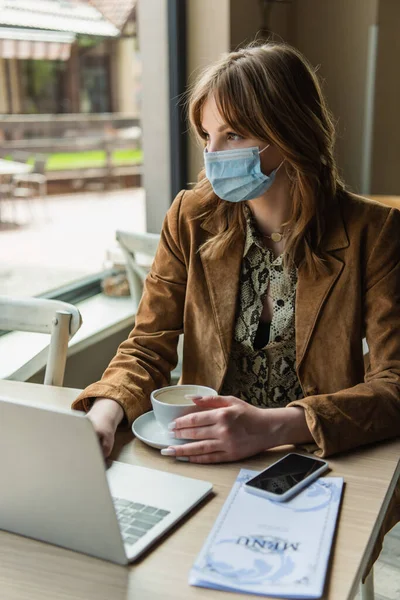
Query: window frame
x=89 y=286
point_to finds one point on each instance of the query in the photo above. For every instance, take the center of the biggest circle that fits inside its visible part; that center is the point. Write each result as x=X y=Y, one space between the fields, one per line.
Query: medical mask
x=236 y=175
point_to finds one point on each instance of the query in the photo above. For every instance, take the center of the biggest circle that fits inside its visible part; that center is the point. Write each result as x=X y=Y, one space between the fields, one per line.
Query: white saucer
x=150 y=432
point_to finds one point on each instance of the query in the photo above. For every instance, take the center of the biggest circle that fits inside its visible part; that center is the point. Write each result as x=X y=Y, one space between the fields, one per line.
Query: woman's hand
x=231 y=429
x=106 y=415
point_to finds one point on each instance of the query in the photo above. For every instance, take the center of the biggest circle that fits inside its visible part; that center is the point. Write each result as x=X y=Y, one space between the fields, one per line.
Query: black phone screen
x=283 y=475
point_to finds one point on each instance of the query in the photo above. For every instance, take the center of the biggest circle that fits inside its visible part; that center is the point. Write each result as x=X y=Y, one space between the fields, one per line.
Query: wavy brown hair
x=272 y=93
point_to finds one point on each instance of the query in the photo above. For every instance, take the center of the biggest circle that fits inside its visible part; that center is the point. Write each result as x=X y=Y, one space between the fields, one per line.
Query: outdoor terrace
x=65 y=238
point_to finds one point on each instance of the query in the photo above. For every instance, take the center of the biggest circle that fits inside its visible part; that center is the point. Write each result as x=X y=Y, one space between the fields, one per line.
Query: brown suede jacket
x=358 y=297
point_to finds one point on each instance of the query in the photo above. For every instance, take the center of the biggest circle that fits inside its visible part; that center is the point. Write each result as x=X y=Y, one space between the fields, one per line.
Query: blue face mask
x=236 y=175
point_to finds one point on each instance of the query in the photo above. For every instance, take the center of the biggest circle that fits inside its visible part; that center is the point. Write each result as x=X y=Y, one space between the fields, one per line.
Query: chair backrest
x=20 y=156
x=134 y=245
x=40 y=165
x=39 y=315
x=145 y=245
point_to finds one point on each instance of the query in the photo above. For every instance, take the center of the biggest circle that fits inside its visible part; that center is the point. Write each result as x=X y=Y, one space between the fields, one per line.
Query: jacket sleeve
x=145 y=360
x=370 y=411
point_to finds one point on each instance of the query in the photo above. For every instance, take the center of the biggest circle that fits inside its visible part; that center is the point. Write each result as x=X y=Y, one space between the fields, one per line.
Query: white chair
x=39 y=315
x=367 y=591
x=139 y=250
x=29 y=186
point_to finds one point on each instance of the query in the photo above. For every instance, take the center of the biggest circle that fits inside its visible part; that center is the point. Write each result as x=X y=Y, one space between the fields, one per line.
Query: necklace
x=275 y=236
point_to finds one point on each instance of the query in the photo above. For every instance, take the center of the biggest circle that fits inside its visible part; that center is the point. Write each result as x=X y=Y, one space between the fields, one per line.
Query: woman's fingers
x=194 y=433
x=215 y=401
x=192 y=448
x=104 y=445
x=215 y=457
x=200 y=452
x=211 y=414
x=219 y=430
x=198 y=419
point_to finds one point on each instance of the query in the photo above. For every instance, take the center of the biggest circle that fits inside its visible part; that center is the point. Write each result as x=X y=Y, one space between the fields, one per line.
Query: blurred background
x=93 y=137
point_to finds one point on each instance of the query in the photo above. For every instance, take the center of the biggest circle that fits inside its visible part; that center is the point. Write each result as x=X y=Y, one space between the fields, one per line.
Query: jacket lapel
x=223 y=278
x=312 y=293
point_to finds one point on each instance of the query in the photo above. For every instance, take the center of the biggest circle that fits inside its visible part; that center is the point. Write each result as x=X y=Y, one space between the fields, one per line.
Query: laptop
x=55 y=487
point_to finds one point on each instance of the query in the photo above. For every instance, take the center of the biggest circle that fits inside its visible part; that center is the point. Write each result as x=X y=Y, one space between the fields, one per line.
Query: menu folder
x=278 y=549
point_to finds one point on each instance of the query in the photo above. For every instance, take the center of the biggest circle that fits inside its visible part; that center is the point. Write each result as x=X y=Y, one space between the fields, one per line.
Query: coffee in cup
x=171 y=402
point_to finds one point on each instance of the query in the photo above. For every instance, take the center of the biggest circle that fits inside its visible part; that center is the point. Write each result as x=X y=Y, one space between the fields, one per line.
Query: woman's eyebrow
x=221 y=128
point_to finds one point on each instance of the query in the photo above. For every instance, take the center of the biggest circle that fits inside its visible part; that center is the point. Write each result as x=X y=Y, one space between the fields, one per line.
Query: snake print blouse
x=264 y=376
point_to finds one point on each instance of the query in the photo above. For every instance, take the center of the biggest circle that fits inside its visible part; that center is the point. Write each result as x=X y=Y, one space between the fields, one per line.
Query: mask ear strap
x=278 y=167
x=260 y=151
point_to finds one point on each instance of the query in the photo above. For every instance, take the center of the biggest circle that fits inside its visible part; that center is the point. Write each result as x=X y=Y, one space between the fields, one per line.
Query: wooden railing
x=14 y=127
x=49 y=134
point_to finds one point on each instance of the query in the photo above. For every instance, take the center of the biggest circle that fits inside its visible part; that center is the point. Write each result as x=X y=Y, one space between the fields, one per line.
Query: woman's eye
x=235 y=137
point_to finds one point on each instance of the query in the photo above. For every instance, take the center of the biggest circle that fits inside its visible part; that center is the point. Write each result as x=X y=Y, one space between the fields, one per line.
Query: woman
x=274 y=272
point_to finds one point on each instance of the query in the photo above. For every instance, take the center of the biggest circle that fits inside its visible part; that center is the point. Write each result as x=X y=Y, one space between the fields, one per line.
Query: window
x=95 y=84
x=42 y=87
x=80 y=117
x=77 y=122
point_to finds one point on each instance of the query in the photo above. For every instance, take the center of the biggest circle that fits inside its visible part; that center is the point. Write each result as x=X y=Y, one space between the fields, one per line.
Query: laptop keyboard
x=136 y=519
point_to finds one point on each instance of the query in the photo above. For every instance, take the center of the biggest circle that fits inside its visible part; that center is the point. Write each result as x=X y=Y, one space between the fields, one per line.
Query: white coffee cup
x=170 y=403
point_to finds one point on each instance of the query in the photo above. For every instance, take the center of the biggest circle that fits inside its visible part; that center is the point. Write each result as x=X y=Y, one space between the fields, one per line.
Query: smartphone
x=286 y=477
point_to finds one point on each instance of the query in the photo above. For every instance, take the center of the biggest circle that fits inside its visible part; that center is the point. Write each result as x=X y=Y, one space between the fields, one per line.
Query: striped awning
x=116 y=11
x=75 y=16
x=34 y=44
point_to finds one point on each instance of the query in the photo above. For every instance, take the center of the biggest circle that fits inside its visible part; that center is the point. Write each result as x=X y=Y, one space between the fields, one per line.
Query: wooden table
x=32 y=570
